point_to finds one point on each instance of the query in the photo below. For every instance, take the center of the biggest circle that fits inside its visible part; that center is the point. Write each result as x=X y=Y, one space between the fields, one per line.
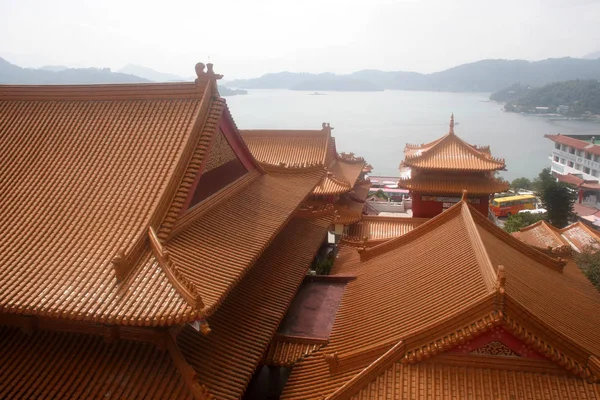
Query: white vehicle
x=536 y=211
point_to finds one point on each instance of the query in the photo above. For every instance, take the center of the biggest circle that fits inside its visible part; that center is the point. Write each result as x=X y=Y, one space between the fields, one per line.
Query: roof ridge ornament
x=451 y=131
x=208 y=74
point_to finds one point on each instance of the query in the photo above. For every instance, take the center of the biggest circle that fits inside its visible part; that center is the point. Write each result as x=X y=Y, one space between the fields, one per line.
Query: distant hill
x=480 y=76
x=570 y=98
x=334 y=82
x=12 y=74
x=225 y=91
x=151 y=75
x=592 y=56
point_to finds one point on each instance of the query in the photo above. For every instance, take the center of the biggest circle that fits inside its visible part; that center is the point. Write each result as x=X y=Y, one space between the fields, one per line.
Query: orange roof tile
x=285 y=351
x=87 y=169
x=379 y=229
x=348 y=211
x=360 y=191
x=243 y=326
x=58 y=365
x=451 y=153
x=300 y=148
x=215 y=251
x=438 y=184
x=543 y=235
x=438 y=283
x=485 y=378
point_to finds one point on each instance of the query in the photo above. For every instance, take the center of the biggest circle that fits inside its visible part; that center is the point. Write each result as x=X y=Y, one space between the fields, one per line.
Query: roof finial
x=464 y=195
x=452 y=124
x=208 y=74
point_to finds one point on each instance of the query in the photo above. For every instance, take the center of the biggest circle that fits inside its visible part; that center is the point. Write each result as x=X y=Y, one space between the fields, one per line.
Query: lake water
x=377 y=125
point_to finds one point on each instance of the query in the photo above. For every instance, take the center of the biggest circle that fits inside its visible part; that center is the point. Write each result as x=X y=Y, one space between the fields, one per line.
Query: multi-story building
x=576 y=155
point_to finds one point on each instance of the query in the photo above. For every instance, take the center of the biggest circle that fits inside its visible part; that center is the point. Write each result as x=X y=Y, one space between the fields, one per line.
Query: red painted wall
x=429 y=209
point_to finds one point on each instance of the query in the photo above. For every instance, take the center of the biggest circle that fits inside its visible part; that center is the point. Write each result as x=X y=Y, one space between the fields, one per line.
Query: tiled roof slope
x=449 y=378
x=215 y=251
x=439 y=184
x=379 y=229
x=58 y=365
x=85 y=170
x=299 y=148
x=576 y=236
x=285 y=351
x=440 y=281
x=242 y=328
x=451 y=153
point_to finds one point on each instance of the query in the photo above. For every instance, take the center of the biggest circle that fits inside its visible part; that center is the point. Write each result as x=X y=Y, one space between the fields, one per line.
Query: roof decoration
x=450 y=153
x=490 y=279
x=440 y=184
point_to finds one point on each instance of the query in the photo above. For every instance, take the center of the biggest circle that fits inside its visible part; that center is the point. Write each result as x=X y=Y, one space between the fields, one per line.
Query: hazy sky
x=246 y=38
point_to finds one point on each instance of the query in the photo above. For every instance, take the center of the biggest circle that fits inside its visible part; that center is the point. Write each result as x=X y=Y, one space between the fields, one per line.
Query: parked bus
x=507 y=206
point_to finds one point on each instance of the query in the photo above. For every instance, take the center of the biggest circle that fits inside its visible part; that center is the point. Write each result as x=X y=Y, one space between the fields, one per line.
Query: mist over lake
x=377 y=125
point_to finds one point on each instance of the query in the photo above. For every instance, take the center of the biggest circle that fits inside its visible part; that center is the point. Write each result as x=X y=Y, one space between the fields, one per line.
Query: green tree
x=521 y=183
x=557 y=198
x=589 y=263
x=516 y=222
x=380 y=194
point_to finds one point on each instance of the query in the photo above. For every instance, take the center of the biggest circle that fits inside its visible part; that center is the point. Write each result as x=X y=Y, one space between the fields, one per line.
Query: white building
x=576 y=155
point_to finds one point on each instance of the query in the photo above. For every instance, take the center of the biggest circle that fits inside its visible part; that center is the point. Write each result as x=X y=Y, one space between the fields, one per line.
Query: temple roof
x=307 y=147
x=97 y=226
x=543 y=235
x=437 y=283
x=451 y=153
x=377 y=229
x=243 y=326
x=439 y=184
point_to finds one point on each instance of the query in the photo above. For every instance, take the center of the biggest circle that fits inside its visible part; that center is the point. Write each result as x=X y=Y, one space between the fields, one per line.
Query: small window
x=556 y=158
x=557 y=146
x=595 y=173
x=578 y=167
x=579 y=153
x=570 y=164
x=562 y=161
x=571 y=150
x=596 y=158
x=586 y=170
x=588 y=156
x=564 y=148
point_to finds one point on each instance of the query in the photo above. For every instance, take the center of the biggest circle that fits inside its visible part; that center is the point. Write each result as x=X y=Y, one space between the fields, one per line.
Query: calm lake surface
x=377 y=125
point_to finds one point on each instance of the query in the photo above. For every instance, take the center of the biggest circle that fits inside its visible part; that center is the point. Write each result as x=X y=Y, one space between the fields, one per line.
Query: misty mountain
x=332 y=82
x=151 y=75
x=480 y=76
x=55 y=68
x=592 y=56
x=12 y=74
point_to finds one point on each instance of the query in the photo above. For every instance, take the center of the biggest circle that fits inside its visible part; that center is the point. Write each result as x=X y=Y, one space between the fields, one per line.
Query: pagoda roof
x=448 y=280
x=451 y=153
x=440 y=184
x=307 y=147
x=96 y=225
x=578 y=182
x=243 y=326
x=378 y=229
x=542 y=235
x=348 y=211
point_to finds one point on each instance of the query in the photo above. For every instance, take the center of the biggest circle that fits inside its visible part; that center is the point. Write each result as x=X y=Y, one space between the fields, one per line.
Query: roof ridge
x=453 y=137
x=512 y=241
x=488 y=272
x=120 y=91
x=293 y=169
x=277 y=132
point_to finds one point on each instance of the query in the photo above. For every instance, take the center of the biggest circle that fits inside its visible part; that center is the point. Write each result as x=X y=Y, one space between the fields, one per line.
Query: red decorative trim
x=498 y=334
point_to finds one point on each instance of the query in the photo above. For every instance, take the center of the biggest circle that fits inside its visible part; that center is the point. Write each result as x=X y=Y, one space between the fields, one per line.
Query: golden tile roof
x=243 y=326
x=451 y=153
x=348 y=211
x=309 y=147
x=86 y=170
x=215 y=251
x=576 y=236
x=59 y=365
x=285 y=351
x=450 y=279
x=379 y=229
x=488 y=378
x=439 y=184
x=101 y=195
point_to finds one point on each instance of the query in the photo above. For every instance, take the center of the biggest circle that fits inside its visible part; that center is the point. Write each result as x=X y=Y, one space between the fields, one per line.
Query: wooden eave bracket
x=185 y=288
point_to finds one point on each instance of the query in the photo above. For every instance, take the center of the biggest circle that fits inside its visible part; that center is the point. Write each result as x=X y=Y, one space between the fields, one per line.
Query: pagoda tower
x=437 y=173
